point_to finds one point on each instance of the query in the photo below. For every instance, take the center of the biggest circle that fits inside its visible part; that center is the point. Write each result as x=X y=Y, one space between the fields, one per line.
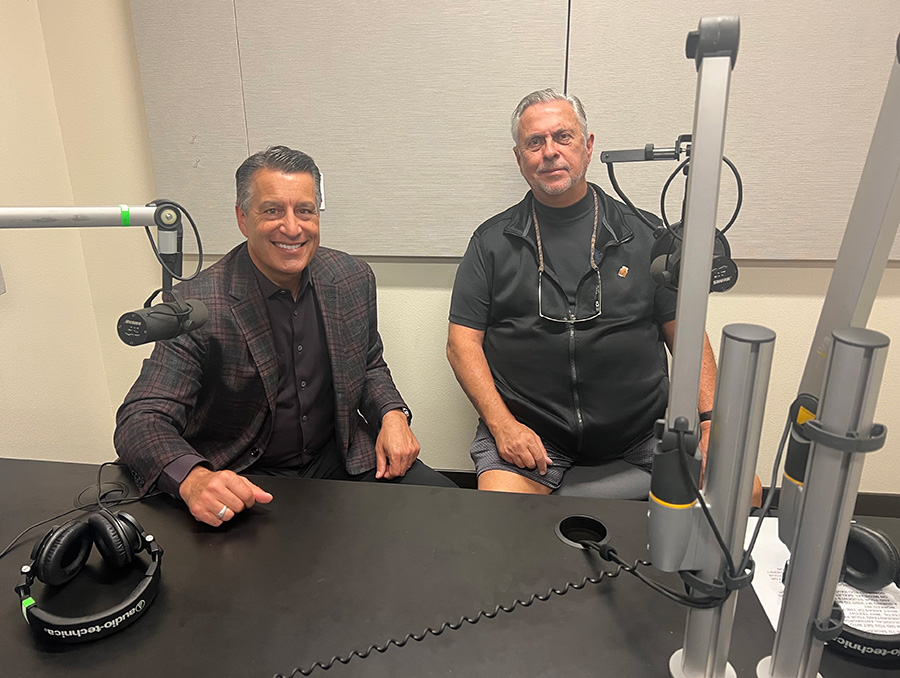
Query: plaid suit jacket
x=212 y=391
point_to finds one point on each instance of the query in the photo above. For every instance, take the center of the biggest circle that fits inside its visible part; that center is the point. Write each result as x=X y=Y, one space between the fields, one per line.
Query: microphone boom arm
x=167 y=219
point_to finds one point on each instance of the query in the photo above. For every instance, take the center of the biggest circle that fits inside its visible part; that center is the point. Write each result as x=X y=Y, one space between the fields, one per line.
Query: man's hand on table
x=206 y=493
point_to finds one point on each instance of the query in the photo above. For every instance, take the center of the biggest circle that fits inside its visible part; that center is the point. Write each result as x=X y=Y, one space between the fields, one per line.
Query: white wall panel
x=190 y=75
x=404 y=106
x=805 y=95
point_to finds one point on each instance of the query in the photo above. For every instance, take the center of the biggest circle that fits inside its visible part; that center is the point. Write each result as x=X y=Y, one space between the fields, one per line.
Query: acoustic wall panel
x=404 y=106
x=191 y=77
x=805 y=94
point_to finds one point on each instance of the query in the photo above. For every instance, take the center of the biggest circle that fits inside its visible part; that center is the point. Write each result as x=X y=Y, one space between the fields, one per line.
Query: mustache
x=551 y=168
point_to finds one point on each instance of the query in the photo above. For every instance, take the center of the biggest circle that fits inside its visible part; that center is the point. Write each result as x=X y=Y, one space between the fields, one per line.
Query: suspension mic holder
x=175 y=315
x=150 y=323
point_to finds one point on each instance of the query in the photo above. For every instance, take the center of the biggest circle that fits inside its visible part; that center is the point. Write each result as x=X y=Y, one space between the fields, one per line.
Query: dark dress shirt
x=304 y=408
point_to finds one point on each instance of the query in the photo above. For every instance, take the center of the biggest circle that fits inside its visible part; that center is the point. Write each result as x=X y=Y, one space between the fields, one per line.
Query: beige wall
x=72 y=131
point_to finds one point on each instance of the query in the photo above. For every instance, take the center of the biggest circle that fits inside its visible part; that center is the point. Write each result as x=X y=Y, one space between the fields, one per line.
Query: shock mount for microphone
x=666 y=253
x=149 y=323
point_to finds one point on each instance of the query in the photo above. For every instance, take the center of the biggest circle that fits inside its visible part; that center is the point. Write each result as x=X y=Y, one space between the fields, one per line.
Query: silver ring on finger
x=221 y=514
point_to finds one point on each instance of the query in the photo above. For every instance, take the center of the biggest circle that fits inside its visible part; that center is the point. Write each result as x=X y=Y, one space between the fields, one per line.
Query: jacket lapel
x=249 y=312
x=328 y=296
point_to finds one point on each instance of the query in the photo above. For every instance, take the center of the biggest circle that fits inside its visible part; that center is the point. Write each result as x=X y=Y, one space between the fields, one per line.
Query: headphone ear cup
x=872 y=561
x=111 y=538
x=133 y=531
x=63 y=552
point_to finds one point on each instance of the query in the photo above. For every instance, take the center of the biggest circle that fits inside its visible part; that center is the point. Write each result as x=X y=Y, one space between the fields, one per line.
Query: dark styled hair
x=279 y=158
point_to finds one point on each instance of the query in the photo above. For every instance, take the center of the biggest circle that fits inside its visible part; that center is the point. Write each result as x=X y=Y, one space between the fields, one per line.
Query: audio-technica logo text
x=868 y=649
x=98 y=628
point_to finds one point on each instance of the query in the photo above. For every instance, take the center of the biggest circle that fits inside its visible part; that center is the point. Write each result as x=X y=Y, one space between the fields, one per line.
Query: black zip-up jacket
x=591 y=389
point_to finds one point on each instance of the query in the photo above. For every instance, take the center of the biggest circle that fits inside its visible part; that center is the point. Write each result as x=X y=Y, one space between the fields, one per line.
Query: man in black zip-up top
x=557 y=331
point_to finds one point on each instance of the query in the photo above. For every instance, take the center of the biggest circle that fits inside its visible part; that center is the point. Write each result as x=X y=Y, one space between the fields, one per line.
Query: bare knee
x=507 y=481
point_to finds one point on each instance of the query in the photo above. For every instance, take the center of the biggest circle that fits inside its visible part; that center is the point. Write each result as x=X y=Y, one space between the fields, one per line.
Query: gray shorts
x=487 y=458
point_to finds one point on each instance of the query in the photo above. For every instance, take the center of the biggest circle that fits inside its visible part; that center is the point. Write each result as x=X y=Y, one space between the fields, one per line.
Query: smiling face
x=282 y=225
x=553 y=154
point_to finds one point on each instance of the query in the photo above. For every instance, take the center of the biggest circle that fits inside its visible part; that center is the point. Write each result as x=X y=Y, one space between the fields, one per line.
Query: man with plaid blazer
x=241 y=394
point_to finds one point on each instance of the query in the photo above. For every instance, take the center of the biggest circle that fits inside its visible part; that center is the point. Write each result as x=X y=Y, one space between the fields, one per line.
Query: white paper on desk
x=875 y=612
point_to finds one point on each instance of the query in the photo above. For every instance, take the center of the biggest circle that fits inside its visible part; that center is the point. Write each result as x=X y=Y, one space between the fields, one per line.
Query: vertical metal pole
x=672 y=523
x=743 y=381
x=849 y=395
x=871 y=230
x=699 y=233
x=169 y=234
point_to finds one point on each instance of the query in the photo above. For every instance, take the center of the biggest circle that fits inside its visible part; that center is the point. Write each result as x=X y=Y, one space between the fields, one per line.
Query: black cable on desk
x=608 y=553
x=104 y=499
x=453 y=626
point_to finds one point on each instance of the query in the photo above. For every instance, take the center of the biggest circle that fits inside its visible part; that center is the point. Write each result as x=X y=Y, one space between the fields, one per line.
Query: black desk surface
x=330 y=567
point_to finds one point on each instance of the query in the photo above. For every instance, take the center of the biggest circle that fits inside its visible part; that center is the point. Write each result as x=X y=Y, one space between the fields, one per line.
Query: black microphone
x=665 y=260
x=163 y=321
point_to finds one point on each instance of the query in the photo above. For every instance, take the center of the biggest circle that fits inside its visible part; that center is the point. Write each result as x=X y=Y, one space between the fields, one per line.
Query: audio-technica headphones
x=61 y=554
x=871 y=562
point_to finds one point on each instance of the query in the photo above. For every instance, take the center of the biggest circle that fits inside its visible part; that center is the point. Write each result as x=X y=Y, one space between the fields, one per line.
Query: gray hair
x=543 y=96
x=280 y=158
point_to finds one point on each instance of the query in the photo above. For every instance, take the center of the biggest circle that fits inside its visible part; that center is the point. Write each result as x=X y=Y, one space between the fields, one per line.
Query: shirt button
x=299 y=347
x=255 y=452
x=302 y=384
x=304 y=418
x=296 y=313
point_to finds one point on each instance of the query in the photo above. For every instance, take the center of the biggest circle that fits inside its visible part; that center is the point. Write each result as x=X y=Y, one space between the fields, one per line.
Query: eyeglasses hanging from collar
x=572 y=317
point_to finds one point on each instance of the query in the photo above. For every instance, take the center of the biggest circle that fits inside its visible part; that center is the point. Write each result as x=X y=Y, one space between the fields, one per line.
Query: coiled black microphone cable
x=605 y=551
x=454 y=626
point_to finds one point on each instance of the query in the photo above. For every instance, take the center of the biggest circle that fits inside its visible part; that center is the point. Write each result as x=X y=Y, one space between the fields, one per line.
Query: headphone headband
x=47 y=625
